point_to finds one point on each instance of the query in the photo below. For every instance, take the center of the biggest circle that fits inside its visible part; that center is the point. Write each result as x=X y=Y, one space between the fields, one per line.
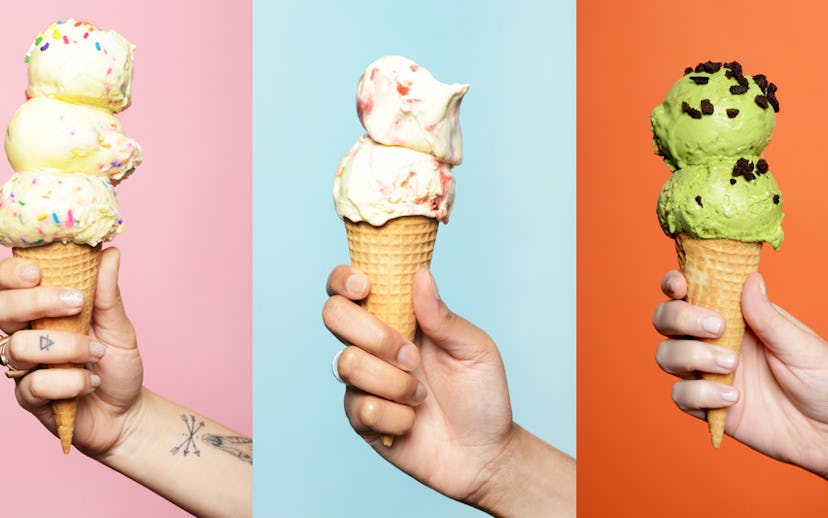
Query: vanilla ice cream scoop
x=47 y=133
x=401 y=104
x=44 y=207
x=77 y=62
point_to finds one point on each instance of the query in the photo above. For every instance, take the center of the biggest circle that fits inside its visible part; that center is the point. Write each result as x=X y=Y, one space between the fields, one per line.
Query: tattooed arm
x=188 y=459
x=192 y=461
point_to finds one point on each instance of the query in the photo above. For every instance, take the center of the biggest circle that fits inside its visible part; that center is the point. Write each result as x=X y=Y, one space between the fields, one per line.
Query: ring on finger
x=13 y=371
x=335 y=366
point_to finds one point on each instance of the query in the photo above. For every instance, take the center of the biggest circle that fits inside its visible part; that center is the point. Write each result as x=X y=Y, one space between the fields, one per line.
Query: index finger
x=349 y=282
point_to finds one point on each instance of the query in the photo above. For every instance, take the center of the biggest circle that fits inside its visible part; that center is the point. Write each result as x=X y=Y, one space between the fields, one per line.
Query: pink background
x=186 y=268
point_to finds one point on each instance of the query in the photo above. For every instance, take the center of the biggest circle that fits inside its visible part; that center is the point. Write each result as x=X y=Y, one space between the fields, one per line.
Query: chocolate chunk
x=733 y=181
x=689 y=110
x=738 y=89
x=744 y=168
x=776 y=199
x=761 y=81
x=761 y=166
x=700 y=80
x=688 y=70
x=734 y=66
x=771 y=95
x=710 y=67
x=732 y=112
x=706 y=107
x=698 y=200
x=762 y=101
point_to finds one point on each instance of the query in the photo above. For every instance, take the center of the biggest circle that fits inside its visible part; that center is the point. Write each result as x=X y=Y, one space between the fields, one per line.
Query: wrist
x=528 y=478
x=127 y=443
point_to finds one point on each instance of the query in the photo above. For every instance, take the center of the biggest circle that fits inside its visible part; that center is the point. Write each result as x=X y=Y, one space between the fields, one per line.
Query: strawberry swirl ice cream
x=402 y=167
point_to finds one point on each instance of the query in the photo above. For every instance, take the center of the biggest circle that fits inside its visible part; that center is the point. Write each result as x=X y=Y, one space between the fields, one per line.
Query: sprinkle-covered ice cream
x=77 y=62
x=67 y=148
x=40 y=208
x=711 y=130
x=402 y=167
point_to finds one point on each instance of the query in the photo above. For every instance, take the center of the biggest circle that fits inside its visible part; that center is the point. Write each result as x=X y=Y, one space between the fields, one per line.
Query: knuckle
x=370 y=414
x=332 y=310
x=350 y=363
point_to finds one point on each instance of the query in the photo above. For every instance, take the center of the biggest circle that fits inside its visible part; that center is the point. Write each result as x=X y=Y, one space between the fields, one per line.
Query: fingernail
x=94 y=380
x=71 y=297
x=730 y=395
x=762 y=289
x=712 y=324
x=356 y=284
x=97 y=349
x=28 y=272
x=726 y=360
x=408 y=357
x=421 y=393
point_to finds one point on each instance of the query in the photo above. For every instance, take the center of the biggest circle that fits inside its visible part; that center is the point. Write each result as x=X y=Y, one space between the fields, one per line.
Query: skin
x=119 y=423
x=445 y=400
x=777 y=405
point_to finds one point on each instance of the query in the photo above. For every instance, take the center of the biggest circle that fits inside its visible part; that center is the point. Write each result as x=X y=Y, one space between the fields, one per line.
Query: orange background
x=638 y=455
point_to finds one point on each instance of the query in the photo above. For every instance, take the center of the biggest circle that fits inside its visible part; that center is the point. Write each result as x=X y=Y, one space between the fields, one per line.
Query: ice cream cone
x=390 y=255
x=716 y=270
x=74 y=266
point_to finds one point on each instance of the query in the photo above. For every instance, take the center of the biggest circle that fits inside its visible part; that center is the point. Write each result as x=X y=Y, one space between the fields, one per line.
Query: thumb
x=109 y=316
x=457 y=336
x=787 y=338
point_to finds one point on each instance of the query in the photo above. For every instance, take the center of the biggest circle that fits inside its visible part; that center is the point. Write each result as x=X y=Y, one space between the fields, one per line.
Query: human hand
x=778 y=404
x=446 y=403
x=108 y=388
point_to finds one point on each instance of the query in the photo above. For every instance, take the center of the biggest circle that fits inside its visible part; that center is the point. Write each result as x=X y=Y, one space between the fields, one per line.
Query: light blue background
x=506 y=261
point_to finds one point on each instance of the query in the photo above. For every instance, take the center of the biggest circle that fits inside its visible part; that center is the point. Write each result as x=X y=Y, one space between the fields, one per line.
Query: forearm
x=529 y=479
x=192 y=461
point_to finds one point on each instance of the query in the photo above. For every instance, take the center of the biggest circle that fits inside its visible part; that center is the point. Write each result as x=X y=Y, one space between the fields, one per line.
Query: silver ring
x=335 y=366
x=4 y=360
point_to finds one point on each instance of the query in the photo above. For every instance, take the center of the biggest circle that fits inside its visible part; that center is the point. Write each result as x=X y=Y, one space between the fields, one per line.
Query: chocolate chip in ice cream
x=732 y=112
x=706 y=107
x=700 y=80
x=689 y=110
x=761 y=101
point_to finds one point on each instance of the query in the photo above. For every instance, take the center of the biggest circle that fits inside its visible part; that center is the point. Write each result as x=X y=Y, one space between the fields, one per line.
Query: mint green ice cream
x=711 y=130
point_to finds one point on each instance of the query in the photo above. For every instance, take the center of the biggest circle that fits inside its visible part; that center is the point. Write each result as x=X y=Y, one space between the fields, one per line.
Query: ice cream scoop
x=375 y=183
x=77 y=62
x=44 y=207
x=708 y=202
x=401 y=104
x=714 y=112
x=49 y=134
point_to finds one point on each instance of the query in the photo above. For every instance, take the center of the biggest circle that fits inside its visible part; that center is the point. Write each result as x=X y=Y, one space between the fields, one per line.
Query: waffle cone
x=73 y=266
x=716 y=270
x=390 y=255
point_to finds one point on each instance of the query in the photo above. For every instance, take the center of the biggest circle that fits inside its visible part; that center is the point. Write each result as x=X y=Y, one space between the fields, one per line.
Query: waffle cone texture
x=73 y=266
x=716 y=270
x=390 y=255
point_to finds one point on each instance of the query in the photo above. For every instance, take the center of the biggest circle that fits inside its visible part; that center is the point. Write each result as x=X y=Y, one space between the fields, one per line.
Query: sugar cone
x=716 y=270
x=73 y=266
x=390 y=255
